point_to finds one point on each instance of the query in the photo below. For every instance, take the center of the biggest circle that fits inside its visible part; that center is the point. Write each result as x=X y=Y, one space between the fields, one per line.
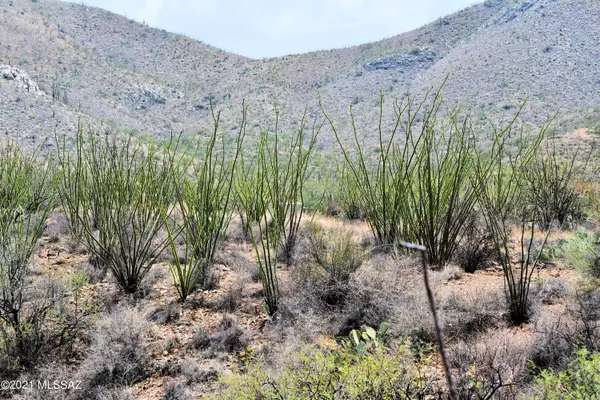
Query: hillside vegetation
x=146 y=81
x=435 y=266
x=406 y=219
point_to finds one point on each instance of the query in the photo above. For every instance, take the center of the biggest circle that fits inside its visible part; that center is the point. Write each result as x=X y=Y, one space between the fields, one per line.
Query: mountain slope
x=125 y=75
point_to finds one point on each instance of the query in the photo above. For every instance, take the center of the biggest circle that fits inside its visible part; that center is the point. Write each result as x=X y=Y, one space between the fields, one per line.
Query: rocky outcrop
x=144 y=97
x=20 y=77
x=419 y=58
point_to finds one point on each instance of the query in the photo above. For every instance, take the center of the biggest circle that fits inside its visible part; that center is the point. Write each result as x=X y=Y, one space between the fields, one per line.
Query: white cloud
x=150 y=11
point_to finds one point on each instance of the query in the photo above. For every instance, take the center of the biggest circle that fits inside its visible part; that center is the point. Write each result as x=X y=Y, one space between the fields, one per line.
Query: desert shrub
x=29 y=315
x=382 y=290
x=553 y=340
x=582 y=252
x=194 y=374
x=118 y=355
x=164 y=314
x=363 y=310
x=558 y=336
x=230 y=300
x=56 y=226
x=117 y=193
x=348 y=194
x=581 y=380
x=228 y=338
x=476 y=246
x=200 y=340
x=248 y=202
x=48 y=327
x=335 y=252
x=550 y=188
x=334 y=374
x=203 y=196
x=467 y=315
x=174 y=391
x=492 y=365
x=549 y=290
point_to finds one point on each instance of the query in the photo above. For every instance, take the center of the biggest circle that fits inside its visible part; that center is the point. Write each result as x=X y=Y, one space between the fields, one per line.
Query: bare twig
x=438 y=329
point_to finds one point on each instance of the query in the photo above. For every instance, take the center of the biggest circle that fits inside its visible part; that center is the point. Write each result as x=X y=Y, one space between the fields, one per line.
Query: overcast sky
x=269 y=28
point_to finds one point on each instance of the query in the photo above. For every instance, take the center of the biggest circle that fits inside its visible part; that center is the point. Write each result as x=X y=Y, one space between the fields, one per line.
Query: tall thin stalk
x=203 y=198
x=277 y=189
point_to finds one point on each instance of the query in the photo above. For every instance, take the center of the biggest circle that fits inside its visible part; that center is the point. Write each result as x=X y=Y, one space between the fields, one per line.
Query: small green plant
x=582 y=252
x=314 y=373
x=580 y=381
x=366 y=339
x=335 y=252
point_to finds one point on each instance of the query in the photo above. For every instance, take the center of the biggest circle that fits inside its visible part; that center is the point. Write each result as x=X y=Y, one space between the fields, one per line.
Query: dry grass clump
x=499 y=360
x=466 y=315
x=164 y=313
x=476 y=247
x=560 y=334
x=118 y=356
x=228 y=338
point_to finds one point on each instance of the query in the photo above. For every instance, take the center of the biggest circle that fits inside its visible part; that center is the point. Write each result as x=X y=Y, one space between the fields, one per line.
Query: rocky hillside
x=63 y=61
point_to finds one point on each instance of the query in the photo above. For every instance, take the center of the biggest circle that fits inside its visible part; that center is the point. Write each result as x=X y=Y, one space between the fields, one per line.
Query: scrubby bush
x=475 y=248
x=117 y=356
x=164 y=313
x=335 y=252
x=581 y=380
x=491 y=366
x=335 y=374
x=348 y=194
x=559 y=335
x=228 y=338
x=582 y=252
x=550 y=188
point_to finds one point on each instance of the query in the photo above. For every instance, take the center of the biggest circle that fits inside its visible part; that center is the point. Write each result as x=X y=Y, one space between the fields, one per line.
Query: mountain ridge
x=117 y=73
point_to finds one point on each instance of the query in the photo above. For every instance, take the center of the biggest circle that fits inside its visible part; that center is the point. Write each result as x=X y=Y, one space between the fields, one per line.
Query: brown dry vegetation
x=183 y=348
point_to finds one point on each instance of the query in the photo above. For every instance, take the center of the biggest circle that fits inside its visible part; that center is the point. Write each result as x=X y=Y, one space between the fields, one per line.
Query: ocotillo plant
x=203 y=198
x=289 y=174
x=117 y=191
x=549 y=181
x=27 y=195
x=499 y=182
x=246 y=180
x=417 y=187
x=278 y=191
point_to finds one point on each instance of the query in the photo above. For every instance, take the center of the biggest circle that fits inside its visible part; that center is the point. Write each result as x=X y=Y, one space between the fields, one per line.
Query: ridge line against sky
x=270 y=28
